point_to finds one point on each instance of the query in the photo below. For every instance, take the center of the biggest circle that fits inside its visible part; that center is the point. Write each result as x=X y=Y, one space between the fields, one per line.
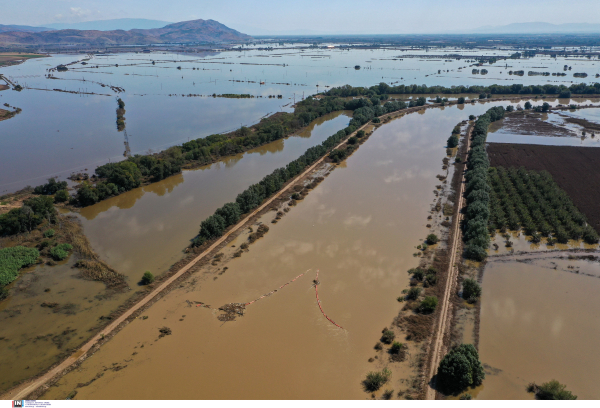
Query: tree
x=552 y=390
x=459 y=369
x=61 y=196
x=545 y=107
x=471 y=290
x=528 y=105
x=472 y=117
x=452 y=141
x=432 y=239
x=428 y=305
x=147 y=278
x=461 y=100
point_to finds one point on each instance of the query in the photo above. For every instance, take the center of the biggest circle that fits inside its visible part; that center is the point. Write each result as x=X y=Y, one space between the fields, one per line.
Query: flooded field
x=359 y=228
x=62 y=132
x=538 y=323
x=575 y=127
x=143 y=229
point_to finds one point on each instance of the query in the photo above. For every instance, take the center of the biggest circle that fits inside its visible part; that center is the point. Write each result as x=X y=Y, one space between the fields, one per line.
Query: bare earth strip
x=444 y=317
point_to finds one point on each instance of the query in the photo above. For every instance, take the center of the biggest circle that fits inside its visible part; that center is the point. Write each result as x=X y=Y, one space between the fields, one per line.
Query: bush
x=459 y=369
x=147 y=278
x=388 y=336
x=461 y=100
x=376 y=120
x=14 y=258
x=49 y=233
x=61 y=196
x=417 y=273
x=452 y=141
x=360 y=133
x=51 y=187
x=432 y=239
x=472 y=117
x=471 y=290
x=428 y=305
x=375 y=379
x=396 y=347
x=552 y=390
x=413 y=293
x=61 y=251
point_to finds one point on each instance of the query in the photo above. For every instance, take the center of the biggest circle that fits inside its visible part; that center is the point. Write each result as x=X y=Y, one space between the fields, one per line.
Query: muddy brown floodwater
x=143 y=229
x=539 y=323
x=359 y=228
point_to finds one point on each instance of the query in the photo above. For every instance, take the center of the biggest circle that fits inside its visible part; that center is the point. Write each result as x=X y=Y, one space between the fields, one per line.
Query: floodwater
x=58 y=133
x=359 y=228
x=143 y=229
x=548 y=128
x=539 y=322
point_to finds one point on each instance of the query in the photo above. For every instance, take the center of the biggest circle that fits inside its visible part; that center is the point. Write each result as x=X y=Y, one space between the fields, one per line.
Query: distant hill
x=539 y=28
x=6 y=28
x=184 y=32
x=108 y=25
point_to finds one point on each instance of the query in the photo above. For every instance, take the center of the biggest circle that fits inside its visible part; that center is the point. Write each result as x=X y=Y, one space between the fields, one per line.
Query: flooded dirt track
x=539 y=322
x=359 y=227
x=143 y=229
x=575 y=169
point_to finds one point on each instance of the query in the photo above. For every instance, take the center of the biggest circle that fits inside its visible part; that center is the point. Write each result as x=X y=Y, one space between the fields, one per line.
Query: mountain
x=195 y=31
x=6 y=28
x=108 y=25
x=539 y=28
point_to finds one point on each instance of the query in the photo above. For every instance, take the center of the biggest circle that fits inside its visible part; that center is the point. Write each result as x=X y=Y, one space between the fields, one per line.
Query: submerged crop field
x=301 y=210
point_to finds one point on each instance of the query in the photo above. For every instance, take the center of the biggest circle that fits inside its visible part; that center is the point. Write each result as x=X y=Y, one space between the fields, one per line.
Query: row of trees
x=532 y=201
x=385 y=89
x=478 y=189
x=229 y=214
x=116 y=178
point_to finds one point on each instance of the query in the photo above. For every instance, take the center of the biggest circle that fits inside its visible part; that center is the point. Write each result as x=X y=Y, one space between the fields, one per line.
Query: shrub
x=353 y=140
x=452 y=141
x=388 y=336
x=61 y=251
x=376 y=120
x=552 y=390
x=147 y=278
x=466 y=397
x=417 y=273
x=413 y=293
x=396 y=347
x=360 y=133
x=430 y=279
x=428 y=305
x=375 y=379
x=49 y=233
x=472 y=117
x=459 y=369
x=471 y=290
x=61 y=196
x=14 y=258
x=432 y=239
x=461 y=100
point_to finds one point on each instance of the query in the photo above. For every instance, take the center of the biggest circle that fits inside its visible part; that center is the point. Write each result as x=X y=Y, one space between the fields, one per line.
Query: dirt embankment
x=575 y=169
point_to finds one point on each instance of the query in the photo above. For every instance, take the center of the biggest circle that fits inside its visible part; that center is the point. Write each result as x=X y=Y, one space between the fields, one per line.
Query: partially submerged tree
x=459 y=369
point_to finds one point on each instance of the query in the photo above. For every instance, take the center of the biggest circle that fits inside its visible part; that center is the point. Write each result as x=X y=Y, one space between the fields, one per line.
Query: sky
x=312 y=16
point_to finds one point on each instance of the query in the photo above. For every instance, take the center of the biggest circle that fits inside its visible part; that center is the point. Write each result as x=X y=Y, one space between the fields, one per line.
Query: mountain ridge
x=193 y=31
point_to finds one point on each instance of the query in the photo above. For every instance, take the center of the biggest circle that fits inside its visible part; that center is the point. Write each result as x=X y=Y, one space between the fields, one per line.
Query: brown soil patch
x=586 y=124
x=575 y=169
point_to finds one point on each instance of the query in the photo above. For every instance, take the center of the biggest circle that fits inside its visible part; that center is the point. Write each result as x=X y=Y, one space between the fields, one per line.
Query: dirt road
x=444 y=318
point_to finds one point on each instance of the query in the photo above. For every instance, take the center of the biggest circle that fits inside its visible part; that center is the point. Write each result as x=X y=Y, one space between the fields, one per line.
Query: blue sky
x=325 y=16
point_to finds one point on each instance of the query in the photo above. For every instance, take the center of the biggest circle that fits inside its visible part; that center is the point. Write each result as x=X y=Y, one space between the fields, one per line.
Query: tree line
x=385 y=89
x=229 y=214
x=477 y=191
